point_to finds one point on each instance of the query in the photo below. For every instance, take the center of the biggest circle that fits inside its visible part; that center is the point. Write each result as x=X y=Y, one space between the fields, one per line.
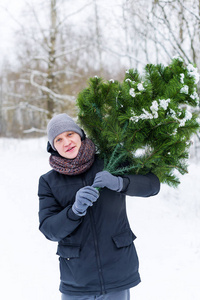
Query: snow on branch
x=9 y=108
x=69 y=51
x=67 y=72
x=33 y=129
x=14 y=95
x=49 y=91
x=35 y=108
x=41 y=58
x=25 y=105
x=119 y=54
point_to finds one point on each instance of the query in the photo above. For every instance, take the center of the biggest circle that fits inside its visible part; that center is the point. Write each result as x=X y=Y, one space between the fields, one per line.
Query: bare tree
x=60 y=45
x=47 y=69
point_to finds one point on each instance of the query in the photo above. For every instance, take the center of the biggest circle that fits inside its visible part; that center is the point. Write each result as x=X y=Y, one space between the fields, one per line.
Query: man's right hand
x=85 y=197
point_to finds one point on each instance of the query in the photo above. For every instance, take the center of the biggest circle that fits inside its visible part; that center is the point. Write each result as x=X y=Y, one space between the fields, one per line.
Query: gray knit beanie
x=59 y=124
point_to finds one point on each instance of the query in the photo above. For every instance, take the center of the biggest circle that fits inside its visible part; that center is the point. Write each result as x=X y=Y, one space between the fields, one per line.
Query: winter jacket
x=96 y=252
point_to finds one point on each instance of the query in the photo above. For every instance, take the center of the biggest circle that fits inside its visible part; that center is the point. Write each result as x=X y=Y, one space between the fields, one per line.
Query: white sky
x=11 y=13
x=8 y=10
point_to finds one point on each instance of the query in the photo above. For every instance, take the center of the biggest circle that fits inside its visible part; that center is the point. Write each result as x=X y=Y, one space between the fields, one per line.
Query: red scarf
x=81 y=163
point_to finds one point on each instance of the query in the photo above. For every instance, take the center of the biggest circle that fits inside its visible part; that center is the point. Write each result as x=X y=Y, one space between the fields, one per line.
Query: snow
x=132 y=92
x=184 y=89
x=193 y=72
x=167 y=229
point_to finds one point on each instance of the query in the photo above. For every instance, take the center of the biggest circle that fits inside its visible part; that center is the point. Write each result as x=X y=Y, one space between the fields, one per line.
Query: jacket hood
x=51 y=150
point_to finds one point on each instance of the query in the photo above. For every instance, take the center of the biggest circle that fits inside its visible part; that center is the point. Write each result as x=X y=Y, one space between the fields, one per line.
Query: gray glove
x=105 y=179
x=85 y=197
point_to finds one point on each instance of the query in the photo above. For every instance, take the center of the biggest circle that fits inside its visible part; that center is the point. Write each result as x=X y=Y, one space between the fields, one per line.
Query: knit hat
x=59 y=124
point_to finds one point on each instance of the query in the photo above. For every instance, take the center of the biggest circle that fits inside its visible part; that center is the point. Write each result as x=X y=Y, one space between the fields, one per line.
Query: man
x=83 y=208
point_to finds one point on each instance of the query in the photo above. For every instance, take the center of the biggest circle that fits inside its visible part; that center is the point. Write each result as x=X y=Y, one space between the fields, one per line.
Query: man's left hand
x=105 y=179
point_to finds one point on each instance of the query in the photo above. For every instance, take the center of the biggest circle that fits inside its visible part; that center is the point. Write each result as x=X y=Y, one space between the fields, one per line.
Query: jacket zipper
x=97 y=252
x=96 y=247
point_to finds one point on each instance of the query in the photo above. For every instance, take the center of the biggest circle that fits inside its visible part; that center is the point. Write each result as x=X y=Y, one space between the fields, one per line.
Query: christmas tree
x=145 y=123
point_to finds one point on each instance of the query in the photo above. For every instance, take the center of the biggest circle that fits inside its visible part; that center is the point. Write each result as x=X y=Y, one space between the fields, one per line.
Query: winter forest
x=57 y=45
x=49 y=50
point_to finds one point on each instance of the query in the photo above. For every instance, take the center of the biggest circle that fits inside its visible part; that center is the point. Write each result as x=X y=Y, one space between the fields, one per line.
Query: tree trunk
x=51 y=58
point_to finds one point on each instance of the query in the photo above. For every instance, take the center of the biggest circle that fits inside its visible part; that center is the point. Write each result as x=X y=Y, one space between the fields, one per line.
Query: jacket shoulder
x=49 y=174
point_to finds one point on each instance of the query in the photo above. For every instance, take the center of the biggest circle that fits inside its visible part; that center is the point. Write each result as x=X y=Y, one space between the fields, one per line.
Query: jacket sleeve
x=141 y=185
x=55 y=222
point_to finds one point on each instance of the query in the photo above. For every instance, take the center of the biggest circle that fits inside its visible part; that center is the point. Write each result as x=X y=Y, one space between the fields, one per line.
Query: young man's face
x=68 y=144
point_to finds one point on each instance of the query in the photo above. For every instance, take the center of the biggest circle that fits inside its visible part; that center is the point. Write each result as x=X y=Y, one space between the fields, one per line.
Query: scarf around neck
x=81 y=163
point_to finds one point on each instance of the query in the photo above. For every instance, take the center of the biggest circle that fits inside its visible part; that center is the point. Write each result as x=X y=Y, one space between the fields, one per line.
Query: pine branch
x=151 y=115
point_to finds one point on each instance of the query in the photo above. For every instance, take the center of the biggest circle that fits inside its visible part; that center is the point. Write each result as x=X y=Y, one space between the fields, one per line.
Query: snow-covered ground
x=167 y=227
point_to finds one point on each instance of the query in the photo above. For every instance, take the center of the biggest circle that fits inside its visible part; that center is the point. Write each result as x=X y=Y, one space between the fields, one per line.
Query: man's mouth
x=70 y=149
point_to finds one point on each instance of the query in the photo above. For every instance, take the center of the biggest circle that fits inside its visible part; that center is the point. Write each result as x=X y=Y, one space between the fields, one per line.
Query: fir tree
x=145 y=123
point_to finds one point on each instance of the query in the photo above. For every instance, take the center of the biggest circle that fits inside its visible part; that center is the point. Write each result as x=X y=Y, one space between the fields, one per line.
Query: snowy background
x=167 y=228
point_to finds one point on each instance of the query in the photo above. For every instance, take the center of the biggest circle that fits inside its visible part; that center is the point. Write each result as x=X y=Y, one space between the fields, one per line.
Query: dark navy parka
x=96 y=252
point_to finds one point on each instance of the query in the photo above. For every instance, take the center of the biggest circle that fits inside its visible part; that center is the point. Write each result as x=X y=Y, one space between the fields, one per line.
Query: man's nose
x=66 y=142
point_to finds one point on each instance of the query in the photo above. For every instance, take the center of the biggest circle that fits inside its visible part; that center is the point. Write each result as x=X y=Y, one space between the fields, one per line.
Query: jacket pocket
x=124 y=239
x=68 y=251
